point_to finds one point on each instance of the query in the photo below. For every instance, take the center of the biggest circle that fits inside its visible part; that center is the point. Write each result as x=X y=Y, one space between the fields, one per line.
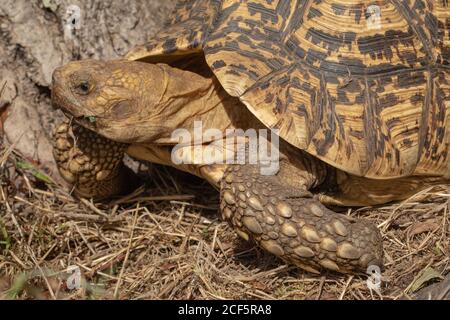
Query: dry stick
x=87 y=217
x=156 y=217
x=13 y=216
x=168 y=288
x=30 y=188
x=385 y=224
x=116 y=291
x=181 y=216
x=33 y=257
x=341 y=296
x=94 y=208
x=129 y=197
x=116 y=258
x=30 y=238
x=155 y=198
x=16 y=258
x=195 y=205
x=151 y=216
x=48 y=252
x=182 y=284
x=183 y=247
x=378 y=292
x=84 y=239
x=92 y=271
x=322 y=282
x=201 y=276
x=260 y=295
x=222 y=250
x=262 y=274
x=444 y=222
x=419 y=249
x=32 y=204
x=213 y=242
x=360 y=295
x=53 y=194
x=10 y=150
x=107 y=261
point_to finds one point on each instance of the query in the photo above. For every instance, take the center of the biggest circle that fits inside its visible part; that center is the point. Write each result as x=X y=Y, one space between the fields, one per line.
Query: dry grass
x=167 y=242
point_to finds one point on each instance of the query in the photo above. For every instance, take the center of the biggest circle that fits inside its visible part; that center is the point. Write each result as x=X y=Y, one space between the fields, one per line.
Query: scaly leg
x=91 y=163
x=293 y=225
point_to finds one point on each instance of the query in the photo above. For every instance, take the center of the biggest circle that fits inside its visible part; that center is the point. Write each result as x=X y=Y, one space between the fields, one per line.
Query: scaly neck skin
x=189 y=97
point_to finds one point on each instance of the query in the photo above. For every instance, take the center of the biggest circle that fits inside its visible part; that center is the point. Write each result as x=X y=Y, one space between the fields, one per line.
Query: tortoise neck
x=202 y=104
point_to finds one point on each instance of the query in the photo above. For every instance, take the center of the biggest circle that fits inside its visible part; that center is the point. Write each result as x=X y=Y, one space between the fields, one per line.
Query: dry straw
x=167 y=242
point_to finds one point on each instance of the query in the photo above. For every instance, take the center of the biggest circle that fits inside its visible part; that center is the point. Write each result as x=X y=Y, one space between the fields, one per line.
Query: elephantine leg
x=293 y=225
x=91 y=163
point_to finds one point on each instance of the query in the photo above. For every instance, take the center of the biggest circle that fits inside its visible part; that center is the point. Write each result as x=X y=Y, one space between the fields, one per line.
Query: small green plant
x=92 y=119
x=26 y=166
x=17 y=287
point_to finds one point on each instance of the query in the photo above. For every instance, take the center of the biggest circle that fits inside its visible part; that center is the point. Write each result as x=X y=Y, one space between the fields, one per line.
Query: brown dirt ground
x=166 y=241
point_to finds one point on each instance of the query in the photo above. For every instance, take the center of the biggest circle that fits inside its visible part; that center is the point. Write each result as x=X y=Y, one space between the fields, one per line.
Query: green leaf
x=24 y=165
x=35 y=172
x=91 y=119
x=41 y=176
x=18 y=286
x=426 y=275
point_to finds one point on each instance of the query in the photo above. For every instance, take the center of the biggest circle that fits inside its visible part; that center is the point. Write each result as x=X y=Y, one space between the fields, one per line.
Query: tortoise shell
x=362 y=85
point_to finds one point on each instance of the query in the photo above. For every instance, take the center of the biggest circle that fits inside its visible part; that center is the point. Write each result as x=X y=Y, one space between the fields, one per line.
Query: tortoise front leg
x=91 y=163
x=291 y=224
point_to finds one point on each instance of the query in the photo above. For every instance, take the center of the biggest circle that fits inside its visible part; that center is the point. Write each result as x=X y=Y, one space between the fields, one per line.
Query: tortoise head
x=118 y=99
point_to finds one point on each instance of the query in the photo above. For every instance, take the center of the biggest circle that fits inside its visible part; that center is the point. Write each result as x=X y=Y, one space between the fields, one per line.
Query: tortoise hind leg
x=91 y=163
x=293 y=225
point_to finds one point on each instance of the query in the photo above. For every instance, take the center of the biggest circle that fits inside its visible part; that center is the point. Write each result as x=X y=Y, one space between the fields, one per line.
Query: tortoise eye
x=83 y=88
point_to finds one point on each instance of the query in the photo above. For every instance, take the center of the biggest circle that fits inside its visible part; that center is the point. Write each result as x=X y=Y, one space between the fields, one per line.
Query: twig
x=116 y=291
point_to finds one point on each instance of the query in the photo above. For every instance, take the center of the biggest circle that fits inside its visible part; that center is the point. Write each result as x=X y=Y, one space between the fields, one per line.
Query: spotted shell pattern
x=362 y=85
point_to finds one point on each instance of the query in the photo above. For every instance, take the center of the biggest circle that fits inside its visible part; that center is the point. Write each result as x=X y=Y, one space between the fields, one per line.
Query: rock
x=34 y=41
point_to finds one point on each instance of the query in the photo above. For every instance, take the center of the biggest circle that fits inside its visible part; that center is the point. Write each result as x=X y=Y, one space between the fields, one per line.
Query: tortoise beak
x=62 y=97
x=56 y=76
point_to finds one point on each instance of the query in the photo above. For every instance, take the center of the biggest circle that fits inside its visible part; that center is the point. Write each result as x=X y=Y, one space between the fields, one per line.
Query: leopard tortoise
x=357 y=92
